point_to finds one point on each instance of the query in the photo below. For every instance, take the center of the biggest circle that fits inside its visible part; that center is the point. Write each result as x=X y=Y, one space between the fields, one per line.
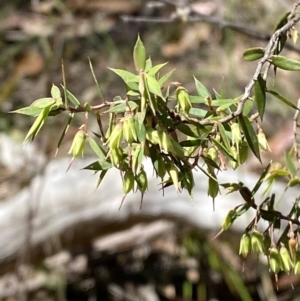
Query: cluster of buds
x=183 y=100
x=77 y=146
x=262 y=140
x=129 y=131
x=280 y=259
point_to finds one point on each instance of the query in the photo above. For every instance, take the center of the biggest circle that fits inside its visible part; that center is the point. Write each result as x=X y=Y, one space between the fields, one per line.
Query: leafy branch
x=180 y=133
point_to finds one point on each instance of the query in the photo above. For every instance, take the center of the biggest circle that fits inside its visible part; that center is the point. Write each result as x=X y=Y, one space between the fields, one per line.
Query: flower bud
x=129 y=131
x=77 y=146
x=245 y=245
x=266 y=243
x=213 y=154
x=234 y=153
x=297 y=263
x=152 y=135
x=262 y=141
x=274 y=260
x=183 y=99
x=142 y=180
x=115 y=137
x=236 y=134
x=160 y=167
x=128 y=181
x=286 y=261
x=256 y=242
x=293 y=244
x=116 y=157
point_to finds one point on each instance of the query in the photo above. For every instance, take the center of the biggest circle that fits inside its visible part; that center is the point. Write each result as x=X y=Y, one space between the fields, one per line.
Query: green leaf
x=253 y=54
x=260 y=95
x=283 y=37
x=196 y=99
x=96 y=81
x=101 y=177
x=260 y=180
x=30 y=111
x=208 y=174
x=284 y=100
x=224 y=136
x=139 y=55
x=247 y=107
x=148 y=65
x=209 y=162
x=243 y=152
x=73 y=99
x=155 y=69
x=37 y=125
x=133 y=93
x=121 y=108
x=185 y=129
x=140 y=127
x=202 y=90
x=285 y=63
x=55 y=92
x=71 y=116
x=223 y=104
x=99 y=165
x=154 y=86
x=289 y=164
x=43 y=103
x=97 y=149
x=130 y=79
x=223 y=150
x=250 y=135
x=164 y=78
x=200 y=113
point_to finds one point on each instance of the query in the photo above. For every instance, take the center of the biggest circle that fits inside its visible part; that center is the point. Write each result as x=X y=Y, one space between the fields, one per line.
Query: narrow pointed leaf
x=121 y=108
x=55 y=92
x=248 y=107
x=201 y=89
x=260 y=180
x=101 y=177
x=139 y=55
x=148 y=64
x=97 y=149
x=71 y=116
x=224 y=136
x=250 y=135
x=260 y=95
x=73 y=99
x=283 y=99
x=156 y=68
x=99 y=165
x=223 y=150
x=30 y=111
x=253 y=54
x=130 y=79
x=164 y=78
x=200 y=113
x=153 y=86
x=37 y=125
x=285 y=63
x=289 y=164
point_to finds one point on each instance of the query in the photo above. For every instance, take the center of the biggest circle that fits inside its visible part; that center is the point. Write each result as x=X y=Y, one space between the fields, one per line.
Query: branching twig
x=295 y=127
x=195 y=17
x=268 y=51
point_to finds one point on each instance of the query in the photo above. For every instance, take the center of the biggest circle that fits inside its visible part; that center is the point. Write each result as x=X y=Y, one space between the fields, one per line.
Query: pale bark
x=65 y=210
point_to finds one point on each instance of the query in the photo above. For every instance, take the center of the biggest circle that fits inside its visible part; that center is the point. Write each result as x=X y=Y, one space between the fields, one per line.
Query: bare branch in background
x=188 y=14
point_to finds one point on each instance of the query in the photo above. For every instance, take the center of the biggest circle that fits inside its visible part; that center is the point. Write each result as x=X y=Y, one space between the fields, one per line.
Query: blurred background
x=34 y=39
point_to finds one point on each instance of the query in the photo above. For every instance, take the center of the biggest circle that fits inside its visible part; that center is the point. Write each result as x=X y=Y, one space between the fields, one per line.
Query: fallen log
x=60 y=210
